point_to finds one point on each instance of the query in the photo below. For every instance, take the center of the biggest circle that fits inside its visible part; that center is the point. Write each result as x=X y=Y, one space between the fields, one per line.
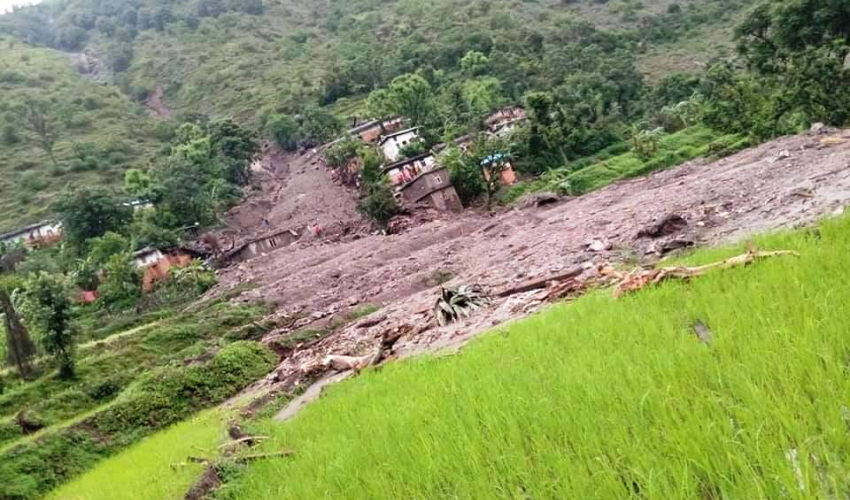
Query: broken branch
x=640 y=278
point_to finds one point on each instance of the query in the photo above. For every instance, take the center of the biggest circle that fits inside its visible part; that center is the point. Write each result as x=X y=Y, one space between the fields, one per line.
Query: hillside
x=98 y=131
x=100 y=63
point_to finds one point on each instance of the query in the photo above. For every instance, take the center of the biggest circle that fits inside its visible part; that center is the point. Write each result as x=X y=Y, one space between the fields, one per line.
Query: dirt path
x=785 y=183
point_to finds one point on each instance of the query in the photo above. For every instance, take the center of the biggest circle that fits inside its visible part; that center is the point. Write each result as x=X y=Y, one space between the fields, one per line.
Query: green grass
x=605 y=398
x=618 y=162
x=145 y=472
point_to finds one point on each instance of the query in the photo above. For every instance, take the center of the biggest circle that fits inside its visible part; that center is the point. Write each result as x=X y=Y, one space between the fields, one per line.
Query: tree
x=492 y=155
x=91 y=212
x=284 y=130
x=102 y=248
x=318 y=125
x=138 y=183
x=467 y=177
x=237 y=145
x=474 y=63
x=19 y=346
x=48 y=310
x=376 y=197
x=408 y=95
x=121 y=286
x=37 y=117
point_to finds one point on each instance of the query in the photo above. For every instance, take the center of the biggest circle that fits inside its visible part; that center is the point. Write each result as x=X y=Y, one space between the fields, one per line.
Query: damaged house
x=404 y=171
x=371 y=131
x=504 y=120
x=435 y=188
x=156 y=264
x=262 y=245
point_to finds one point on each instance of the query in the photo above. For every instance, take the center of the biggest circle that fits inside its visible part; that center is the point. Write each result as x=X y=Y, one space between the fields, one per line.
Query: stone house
x=435 y=188
x=392 y=144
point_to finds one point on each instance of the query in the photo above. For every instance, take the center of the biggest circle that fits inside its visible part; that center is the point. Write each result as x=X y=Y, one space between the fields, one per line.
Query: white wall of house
x=147 y=258
x=393 y=145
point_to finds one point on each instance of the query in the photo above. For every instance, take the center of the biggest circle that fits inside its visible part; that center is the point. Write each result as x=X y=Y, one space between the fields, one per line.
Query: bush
x=378 y=203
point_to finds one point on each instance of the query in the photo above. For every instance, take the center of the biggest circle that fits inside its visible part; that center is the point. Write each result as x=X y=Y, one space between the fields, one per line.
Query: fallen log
x=639 y=278
x=357 y=363
x=537 y=283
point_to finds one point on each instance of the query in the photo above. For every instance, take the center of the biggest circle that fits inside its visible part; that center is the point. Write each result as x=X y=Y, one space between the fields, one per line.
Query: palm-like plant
x=460 y=302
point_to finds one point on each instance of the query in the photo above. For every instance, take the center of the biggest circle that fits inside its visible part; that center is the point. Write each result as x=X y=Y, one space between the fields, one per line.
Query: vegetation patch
x=156 y=401
x=603 y=397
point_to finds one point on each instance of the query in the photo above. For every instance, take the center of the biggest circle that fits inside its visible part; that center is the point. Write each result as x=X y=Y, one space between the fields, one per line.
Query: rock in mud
x=539 y=200
x=669 y=224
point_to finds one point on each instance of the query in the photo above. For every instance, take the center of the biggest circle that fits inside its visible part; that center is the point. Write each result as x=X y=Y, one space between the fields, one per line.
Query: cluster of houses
x=154 y=263
x=421 y=178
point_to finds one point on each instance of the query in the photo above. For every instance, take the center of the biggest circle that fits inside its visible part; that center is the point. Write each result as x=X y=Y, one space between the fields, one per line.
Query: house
x=504 y=120
x=507 y=176
x=391 y=144
x=435 y=188
x=404 y=171
x=137 y=205
x=371 y=131
x=156 y=264
x=263 y=245
x=36 y=235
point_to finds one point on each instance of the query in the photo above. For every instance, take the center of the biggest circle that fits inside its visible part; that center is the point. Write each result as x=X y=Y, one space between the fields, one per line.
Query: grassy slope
x=86 y=111
x=603 y=398
x=145 y=472
x=611 y=165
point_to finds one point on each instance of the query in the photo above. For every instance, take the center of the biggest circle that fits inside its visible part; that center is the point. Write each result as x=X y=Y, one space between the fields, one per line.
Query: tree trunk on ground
x=20 y=346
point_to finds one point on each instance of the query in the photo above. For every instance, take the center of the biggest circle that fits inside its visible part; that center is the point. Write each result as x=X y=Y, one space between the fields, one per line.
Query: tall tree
x=49 y=310
x=91 y=212
x=37 y=117
x=20 y=347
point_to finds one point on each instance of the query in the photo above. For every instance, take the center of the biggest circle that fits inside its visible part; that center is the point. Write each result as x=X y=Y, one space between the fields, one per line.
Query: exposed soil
x=156 y=104
x=293 y=191
x=788 y=182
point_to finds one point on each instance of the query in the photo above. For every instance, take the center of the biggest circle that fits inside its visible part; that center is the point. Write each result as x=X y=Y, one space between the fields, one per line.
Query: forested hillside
x=94 y=66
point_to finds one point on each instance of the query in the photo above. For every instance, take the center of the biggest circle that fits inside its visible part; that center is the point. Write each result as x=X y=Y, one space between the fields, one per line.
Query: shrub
x=378 y=203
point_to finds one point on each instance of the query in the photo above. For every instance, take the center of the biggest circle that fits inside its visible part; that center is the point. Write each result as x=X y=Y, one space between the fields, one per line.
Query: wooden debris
x=640 y=278
x=248 y=440
x=357 y=363
x=537 y=283
x=263 y=456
